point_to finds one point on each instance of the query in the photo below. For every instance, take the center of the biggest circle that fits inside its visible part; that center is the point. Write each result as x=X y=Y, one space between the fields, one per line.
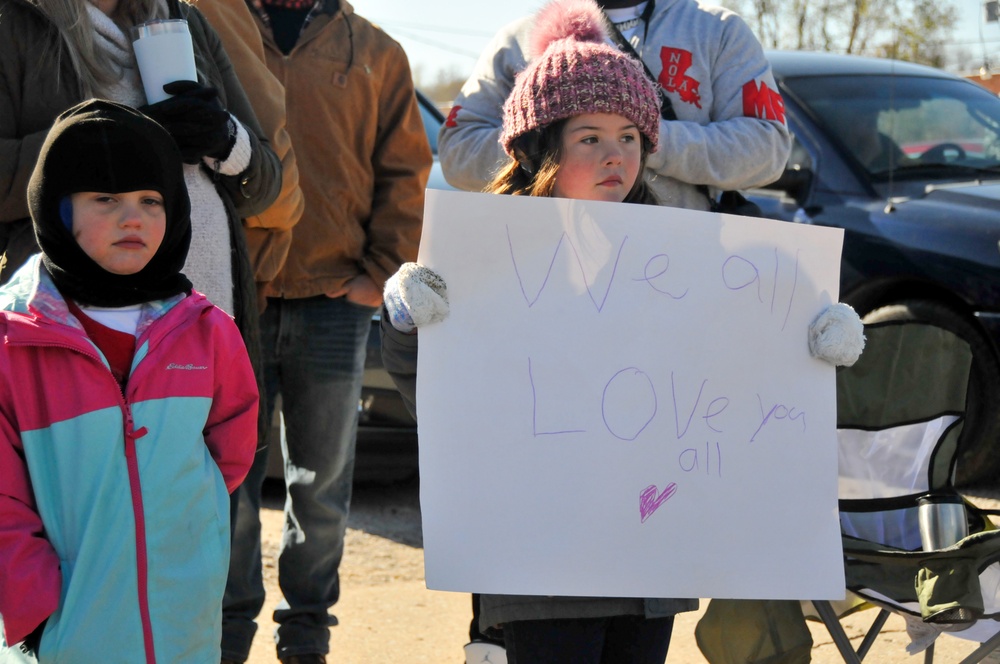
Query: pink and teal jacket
x=114 y=508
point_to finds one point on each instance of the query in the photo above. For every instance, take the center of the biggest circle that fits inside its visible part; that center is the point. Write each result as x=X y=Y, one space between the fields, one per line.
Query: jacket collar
x=331 y=7
x=324 y=10
x=32 y=293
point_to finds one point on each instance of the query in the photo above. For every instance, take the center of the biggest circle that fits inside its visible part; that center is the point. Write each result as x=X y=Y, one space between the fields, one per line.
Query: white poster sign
x=622 y=402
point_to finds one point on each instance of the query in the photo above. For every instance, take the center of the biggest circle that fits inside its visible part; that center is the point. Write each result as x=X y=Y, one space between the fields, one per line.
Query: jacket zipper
x=141 y=559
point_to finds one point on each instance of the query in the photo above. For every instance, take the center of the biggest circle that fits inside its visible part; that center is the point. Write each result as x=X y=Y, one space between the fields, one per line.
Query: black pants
x=492 y=635
x=616 y=640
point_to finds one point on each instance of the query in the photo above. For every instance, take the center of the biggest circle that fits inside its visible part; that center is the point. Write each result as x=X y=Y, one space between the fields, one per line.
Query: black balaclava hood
x=102 y=146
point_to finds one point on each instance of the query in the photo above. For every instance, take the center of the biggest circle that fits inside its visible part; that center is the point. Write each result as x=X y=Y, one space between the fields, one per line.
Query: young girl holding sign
x=579 y=123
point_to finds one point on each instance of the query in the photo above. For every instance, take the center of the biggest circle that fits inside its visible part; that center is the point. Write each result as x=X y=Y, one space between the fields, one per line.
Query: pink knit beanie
x=572 y=70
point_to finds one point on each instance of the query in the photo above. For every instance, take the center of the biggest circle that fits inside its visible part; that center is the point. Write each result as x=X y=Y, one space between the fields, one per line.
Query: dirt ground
x=387 y=615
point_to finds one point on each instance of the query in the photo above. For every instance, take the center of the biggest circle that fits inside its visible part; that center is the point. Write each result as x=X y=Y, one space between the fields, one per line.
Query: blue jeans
x=313 y=352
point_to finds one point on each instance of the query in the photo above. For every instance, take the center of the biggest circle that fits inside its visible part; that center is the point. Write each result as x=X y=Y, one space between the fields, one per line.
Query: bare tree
x=920 y=38
x=443 y=87
x=914 y=30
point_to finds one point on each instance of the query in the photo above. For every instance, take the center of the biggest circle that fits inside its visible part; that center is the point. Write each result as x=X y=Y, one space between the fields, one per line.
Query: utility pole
x=991 y=9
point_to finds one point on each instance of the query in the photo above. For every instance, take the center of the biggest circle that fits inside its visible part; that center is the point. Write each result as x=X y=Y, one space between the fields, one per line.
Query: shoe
x=480 y=652
x=305 y=659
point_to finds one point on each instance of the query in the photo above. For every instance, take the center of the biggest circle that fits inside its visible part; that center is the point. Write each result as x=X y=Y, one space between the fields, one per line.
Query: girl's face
x=600 y=157
x=120 y=232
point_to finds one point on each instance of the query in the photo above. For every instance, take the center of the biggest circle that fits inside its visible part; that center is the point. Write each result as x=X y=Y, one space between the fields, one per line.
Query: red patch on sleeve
x=674 y=78
x=450 y=120
x=762 y=102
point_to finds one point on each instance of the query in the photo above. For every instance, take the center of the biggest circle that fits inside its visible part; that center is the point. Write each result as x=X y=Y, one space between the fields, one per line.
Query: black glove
x=199 y=124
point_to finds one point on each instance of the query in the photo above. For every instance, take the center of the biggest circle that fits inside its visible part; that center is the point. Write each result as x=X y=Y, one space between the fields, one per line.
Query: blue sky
x=449 y=35
x=438 y=34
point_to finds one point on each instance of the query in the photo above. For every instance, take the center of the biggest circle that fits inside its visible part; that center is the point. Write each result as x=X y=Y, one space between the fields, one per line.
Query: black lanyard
x=666 y=108
x=731 y=201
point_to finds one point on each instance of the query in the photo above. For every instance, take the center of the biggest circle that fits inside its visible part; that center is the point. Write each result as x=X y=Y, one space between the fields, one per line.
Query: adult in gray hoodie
x=730 y=131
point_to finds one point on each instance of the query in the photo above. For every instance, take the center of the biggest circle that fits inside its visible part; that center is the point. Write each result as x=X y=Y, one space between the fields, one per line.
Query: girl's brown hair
x=533 y=171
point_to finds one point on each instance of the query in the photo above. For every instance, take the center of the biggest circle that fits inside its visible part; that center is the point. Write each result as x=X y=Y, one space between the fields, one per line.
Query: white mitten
x=837 y=335
x=415 y=296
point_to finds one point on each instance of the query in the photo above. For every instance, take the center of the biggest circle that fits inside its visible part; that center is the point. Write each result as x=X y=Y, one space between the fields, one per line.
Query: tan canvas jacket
x=269 y=234
x=361 y=149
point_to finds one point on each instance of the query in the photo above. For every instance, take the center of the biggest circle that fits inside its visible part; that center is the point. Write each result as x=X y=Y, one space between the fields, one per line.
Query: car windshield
x=907 y=126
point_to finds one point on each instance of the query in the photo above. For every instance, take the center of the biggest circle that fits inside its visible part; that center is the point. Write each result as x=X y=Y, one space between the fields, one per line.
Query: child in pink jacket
x=128 y=410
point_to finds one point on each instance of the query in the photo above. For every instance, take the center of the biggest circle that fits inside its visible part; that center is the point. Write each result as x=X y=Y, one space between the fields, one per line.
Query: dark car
x=387 y=435
x=906 y=159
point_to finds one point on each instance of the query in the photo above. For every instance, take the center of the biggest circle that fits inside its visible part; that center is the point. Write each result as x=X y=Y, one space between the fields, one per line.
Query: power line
x=444 y=47
x=971 y=42
x=436 y=28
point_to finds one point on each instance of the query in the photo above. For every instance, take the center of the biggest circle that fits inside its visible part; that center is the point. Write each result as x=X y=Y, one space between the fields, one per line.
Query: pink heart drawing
x=649 y=502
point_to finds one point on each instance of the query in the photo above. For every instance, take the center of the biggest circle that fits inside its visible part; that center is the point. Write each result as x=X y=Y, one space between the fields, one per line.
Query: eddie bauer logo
x=185 y=367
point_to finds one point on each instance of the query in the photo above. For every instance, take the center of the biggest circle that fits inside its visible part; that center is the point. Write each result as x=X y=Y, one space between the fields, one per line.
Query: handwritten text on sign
x=622 y=402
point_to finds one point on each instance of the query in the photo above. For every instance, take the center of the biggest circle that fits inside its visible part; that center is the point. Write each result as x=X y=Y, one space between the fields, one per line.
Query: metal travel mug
x=942 y=520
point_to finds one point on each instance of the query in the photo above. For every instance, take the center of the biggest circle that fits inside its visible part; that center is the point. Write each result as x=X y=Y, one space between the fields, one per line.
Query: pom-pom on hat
x=572 y=70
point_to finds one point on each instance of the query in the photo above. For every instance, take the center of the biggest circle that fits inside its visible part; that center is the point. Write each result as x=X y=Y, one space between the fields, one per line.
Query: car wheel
x=979 y=462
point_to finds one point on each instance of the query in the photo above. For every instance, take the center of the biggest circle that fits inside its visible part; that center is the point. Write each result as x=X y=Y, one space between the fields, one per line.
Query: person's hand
x=363 y=291
x=415 y=296
x=196 y=120
x=837 y=335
